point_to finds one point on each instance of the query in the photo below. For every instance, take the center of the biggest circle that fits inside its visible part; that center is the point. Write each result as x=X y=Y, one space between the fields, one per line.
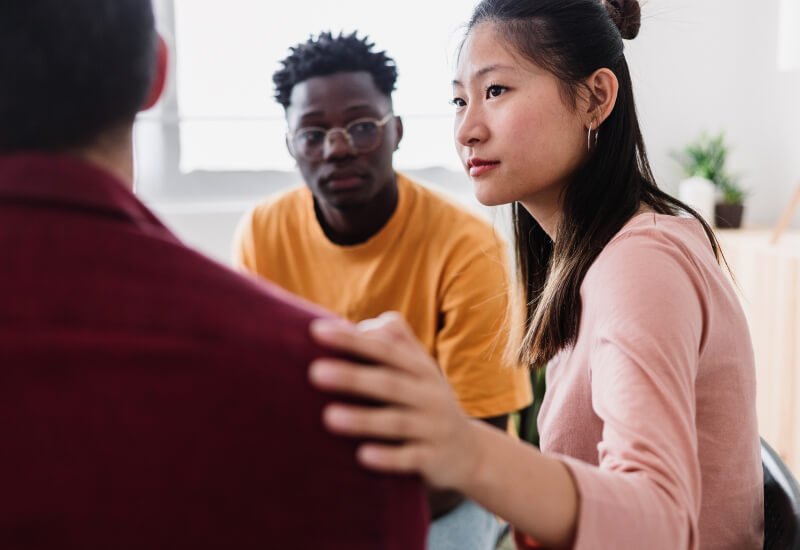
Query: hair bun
x=627 y=16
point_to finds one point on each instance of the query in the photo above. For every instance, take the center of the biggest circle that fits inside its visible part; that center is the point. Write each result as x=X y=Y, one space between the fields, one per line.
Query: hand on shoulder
x=420 y=428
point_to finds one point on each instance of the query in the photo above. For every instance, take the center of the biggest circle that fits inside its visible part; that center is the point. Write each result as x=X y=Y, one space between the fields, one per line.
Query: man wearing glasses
x=361 y=239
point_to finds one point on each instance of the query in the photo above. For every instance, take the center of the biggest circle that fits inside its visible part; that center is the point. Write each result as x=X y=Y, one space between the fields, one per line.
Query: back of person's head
x=70 y=71
x=572 y=39
x=327 y=54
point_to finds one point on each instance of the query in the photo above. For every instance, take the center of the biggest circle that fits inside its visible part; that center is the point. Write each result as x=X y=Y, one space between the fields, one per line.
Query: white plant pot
x=700 y=194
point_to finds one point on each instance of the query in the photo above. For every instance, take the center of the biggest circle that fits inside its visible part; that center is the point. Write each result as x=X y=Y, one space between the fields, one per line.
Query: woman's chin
x=488 y=196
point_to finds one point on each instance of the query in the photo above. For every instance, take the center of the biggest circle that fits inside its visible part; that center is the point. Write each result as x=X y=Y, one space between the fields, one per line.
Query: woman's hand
x=428 y=430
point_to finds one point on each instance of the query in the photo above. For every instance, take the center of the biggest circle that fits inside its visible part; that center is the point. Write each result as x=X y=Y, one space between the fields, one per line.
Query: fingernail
x=367 y=455
x=320 y=326
x=334 y=416
x=326 y=327
x=319 y=372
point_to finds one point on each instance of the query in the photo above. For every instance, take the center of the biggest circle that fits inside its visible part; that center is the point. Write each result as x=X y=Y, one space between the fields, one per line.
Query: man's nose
x=337 y=145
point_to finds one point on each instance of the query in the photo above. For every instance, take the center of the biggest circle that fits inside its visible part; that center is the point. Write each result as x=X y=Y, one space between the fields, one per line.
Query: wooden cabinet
x=767 y=277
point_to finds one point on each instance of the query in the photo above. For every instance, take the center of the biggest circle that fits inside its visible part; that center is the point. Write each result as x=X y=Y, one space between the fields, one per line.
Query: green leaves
x=706 y=158
x=731 y=194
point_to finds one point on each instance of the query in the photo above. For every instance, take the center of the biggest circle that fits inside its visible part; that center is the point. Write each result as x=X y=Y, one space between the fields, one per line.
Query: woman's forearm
x=531 y=491
x=436 y=438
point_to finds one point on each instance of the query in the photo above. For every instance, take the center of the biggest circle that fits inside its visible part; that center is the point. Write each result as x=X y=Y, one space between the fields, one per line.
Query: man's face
x=343 y=177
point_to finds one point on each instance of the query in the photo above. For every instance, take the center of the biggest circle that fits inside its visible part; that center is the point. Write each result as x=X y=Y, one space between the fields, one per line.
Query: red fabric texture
x=151 y=398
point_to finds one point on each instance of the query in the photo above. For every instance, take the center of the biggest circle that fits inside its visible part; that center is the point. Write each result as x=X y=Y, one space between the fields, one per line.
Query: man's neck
x=113 y=153
x=358 y=224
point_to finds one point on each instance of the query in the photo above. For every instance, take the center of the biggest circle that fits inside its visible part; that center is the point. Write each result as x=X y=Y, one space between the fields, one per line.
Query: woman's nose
x=470 y=128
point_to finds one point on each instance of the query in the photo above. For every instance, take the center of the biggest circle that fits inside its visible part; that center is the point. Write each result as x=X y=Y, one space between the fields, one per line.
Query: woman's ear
x=603 y=87
x=160 y=74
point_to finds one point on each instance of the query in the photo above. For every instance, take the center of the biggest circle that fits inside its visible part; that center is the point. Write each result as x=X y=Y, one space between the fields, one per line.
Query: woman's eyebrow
x=485 y=70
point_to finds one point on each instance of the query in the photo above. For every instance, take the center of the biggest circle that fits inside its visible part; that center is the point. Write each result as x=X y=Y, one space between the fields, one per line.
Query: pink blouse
x=653 y=408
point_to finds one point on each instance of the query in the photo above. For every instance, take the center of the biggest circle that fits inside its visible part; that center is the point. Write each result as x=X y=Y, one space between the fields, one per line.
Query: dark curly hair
x=327 y=54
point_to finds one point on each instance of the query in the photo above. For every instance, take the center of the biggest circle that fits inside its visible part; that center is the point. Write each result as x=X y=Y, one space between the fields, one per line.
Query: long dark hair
x=572 y=39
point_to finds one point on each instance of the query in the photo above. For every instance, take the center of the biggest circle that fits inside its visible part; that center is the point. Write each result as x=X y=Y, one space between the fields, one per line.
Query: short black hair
x=69 y=71
x=327 y=54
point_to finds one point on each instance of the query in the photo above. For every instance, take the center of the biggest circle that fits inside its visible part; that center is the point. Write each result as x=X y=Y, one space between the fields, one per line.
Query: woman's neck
x=546 y=208
x=548 y=214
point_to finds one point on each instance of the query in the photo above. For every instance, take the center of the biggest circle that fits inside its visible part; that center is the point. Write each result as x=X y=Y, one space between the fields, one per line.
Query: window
x=219 y=114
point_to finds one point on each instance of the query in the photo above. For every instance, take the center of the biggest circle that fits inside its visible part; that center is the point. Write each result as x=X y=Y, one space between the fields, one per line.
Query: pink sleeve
x=645 y=317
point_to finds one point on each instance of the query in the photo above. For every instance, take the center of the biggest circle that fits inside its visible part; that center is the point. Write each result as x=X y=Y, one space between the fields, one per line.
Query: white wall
x=710 y=65
x=697 y=65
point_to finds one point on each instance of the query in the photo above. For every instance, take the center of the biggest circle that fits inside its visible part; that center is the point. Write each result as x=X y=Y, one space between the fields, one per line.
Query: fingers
x=399 y=459
x=373 y=345
x=390 y=323
x=390 y=423
x=380 y=384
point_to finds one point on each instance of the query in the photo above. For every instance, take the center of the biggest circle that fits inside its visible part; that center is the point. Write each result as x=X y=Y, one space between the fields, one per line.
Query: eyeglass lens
x=362 y=136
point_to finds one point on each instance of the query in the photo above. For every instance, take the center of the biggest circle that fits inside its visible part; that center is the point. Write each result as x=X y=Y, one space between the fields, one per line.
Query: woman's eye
x=458 y=103
x=495 y=90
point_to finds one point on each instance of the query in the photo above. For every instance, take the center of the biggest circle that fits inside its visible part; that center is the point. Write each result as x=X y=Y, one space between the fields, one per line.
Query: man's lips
x=343 y=182
x=478 y=167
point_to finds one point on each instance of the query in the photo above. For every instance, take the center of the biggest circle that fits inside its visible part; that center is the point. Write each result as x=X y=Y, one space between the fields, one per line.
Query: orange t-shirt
x=442 y=267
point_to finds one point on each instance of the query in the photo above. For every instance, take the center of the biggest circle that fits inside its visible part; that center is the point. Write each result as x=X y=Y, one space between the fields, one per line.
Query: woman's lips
x=479 y=167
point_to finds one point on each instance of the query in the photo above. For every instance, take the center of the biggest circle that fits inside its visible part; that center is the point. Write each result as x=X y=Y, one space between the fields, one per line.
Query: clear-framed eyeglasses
x=362 y=135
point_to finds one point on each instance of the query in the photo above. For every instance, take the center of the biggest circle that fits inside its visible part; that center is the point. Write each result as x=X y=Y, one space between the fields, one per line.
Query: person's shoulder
x=447 y=205
x=653 y=252
x=280 y=206
x=661 y=226
x=652 y=234
x=236 y=307
x=447 y=218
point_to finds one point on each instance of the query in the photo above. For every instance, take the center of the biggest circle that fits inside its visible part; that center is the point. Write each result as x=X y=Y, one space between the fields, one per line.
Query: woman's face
x=516 y=137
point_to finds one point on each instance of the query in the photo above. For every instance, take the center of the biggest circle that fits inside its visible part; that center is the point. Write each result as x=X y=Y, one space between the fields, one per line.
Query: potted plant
x=706 y=158
x=728 y=212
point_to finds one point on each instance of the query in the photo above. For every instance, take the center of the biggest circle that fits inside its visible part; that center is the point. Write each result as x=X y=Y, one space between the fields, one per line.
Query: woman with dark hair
x=648 y=429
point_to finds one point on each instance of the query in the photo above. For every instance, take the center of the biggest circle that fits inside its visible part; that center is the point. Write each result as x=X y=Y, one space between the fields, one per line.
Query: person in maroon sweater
x=149 y=397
